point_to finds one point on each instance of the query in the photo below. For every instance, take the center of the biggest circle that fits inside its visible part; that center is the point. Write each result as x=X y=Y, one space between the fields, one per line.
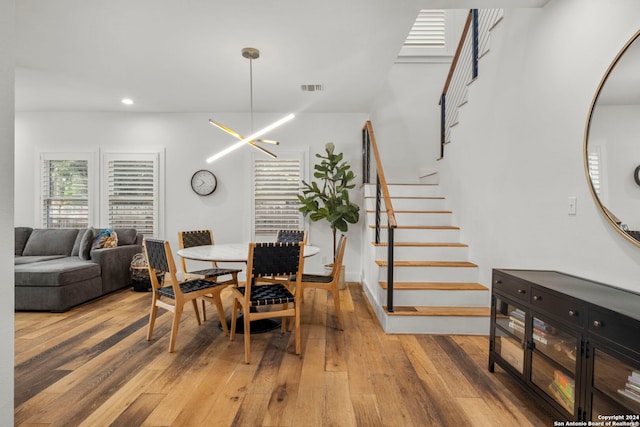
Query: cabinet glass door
x=616 y=387
x=509 y=334
x=554 y=363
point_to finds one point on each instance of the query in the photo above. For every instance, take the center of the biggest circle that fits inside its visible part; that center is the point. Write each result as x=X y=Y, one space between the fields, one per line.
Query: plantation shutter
x=593 y=164
x=132 y=192
x=276 y=186
x=428 y=30
x=64 y=193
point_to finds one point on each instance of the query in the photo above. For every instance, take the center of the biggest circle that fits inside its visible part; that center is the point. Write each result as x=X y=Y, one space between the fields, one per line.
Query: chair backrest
x=159 y=261
x=291 y=236
x=337 y=263
x=274 y=259
x=189 y=239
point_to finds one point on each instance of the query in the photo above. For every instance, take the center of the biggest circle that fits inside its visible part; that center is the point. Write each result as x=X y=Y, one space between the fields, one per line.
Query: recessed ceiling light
x=127 y=101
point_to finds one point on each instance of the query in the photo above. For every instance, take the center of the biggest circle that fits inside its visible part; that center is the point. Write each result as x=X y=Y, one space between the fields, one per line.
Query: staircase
x=435 y=284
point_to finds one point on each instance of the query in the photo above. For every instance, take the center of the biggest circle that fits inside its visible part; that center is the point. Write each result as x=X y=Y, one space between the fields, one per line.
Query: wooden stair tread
x=435 y=286
x=383 y=263
x=439 y=311
x=422 y=244
x=412 y=211
x=410 y=197
x=422 y=227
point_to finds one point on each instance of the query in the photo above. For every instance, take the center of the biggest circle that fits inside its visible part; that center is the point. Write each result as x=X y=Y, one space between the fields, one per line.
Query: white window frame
x=154 y=154
x=302 y=155
x=92 y=184
x=433 y=54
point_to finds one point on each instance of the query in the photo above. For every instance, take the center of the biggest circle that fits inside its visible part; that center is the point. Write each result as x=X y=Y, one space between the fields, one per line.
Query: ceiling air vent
x=312 y=88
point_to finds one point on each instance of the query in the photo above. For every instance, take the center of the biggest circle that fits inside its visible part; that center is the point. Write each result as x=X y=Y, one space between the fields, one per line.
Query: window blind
x=276 y=186
x=428 y=30
x=593 y=164
x=132 y=195
x=65 y=193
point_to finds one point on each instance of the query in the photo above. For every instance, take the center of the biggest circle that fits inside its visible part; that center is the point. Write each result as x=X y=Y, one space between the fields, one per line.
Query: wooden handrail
x=383 y=182
x=454 y=63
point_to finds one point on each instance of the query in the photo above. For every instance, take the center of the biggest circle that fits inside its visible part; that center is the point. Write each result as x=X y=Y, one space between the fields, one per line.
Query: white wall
x=7 y=57
x=406 y=120
x=188 y=139
x=517 y=155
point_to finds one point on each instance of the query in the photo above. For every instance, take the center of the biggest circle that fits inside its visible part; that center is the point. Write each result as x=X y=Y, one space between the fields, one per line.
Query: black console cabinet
x=574 y=343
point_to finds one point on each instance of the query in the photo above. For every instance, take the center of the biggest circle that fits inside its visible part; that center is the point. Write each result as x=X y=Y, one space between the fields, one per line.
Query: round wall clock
x=204 y=182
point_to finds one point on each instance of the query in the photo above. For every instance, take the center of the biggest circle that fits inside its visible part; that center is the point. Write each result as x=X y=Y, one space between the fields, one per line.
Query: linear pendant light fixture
x=252 y=140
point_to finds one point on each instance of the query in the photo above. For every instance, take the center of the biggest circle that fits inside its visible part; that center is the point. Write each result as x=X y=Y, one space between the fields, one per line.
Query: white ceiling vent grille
x=428 y=30
x=312 y=88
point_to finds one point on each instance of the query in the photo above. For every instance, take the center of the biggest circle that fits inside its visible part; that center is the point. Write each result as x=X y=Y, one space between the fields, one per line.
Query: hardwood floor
x=92 y=366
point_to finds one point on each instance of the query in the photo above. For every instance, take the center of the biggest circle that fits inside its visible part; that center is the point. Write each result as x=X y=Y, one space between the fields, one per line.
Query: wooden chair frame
x=243 y=296
x=206 y=238
x=180 y=292
x=329 y=282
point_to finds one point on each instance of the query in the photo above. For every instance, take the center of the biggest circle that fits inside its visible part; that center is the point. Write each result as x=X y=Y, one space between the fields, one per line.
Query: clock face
x=204 y=182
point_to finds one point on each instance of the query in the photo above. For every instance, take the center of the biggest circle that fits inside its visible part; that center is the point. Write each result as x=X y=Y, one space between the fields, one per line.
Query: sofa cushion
x=56 y=272
x=76 y=245
x=126 y=236
x=84 y=251
x=51 y=241
x=22 y=235
x=35 y=258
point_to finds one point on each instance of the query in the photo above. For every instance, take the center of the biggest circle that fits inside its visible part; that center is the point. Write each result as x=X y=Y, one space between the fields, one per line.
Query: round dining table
x=236 y=252
x=228 y=252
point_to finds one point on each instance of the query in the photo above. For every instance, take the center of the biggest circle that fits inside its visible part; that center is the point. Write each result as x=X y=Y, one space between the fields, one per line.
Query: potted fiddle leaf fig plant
x=327 y=198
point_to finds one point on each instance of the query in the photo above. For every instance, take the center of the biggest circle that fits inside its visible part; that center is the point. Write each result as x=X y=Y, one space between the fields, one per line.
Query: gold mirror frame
x=611 y=218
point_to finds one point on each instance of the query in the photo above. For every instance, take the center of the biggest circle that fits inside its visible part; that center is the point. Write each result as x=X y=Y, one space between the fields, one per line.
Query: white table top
x=228 y=252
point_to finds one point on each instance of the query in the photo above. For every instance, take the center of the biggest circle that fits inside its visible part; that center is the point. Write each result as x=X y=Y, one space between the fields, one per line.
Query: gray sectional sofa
x=56 y=269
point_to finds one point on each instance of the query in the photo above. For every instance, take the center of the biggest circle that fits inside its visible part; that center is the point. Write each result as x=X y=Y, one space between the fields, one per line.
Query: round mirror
x=612 y=142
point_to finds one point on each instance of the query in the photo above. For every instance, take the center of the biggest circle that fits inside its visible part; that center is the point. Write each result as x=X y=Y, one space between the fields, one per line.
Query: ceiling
x=185 y=56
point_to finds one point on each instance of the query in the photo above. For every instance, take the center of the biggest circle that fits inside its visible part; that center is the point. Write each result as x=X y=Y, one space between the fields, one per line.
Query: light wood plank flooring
x=92 y=366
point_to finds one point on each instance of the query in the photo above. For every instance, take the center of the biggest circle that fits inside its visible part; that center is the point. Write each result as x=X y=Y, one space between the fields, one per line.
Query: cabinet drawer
x=512 y=287
x=615 y=327
x=559 y=307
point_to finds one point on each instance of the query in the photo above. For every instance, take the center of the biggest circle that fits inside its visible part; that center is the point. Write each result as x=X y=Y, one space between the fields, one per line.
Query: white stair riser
x=433 y=204
x=431 y=274
x=417 y=218
x=450 y=325
x=406 y=190
x=421 y=253
x=454 y=298
x=426 y=235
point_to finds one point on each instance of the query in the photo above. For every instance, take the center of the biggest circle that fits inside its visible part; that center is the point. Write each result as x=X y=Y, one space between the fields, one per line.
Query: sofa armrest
x=114 y=265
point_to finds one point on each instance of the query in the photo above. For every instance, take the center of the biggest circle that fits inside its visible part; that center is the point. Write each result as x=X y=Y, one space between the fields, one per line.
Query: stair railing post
x=474 y=39
x=378 y=202
x=366 y=156
x=390 y=232
x=443 y=124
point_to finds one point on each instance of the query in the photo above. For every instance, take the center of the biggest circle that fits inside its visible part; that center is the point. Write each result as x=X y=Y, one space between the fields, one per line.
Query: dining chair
x=269 y=260
x=188 y=239
x=328 y=282
x=292 y=236
x=173 y=297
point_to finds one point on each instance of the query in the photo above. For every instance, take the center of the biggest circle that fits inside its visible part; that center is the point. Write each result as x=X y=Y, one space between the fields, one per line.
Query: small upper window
x=428 y=30
x=432 y=36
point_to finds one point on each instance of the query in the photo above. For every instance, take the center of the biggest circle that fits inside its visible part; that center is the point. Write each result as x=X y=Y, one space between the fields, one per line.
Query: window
x=65 y=190
x=130 y=191
x=428 y=30
x=593 y=164
x=433 y=36
x=276 y=183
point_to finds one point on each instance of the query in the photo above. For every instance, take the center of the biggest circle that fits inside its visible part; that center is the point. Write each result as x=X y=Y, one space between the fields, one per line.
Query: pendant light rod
x=250 y=53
